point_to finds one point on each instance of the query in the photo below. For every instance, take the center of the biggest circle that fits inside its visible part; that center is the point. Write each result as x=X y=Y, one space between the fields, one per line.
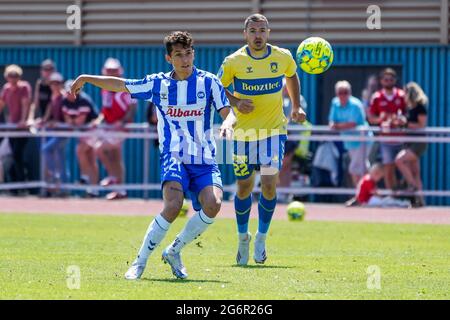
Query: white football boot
x=134 y=272
x=174 y=260
x=243 y=249
x=260 y=248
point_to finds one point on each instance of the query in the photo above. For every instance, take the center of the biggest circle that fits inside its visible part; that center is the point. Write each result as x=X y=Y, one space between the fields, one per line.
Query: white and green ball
x=296 y=211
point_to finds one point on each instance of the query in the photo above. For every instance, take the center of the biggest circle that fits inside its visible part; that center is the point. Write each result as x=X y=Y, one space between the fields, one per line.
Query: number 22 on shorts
x=240 y=169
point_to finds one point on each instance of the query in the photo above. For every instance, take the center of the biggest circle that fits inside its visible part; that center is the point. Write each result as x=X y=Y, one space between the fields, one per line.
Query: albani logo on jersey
x=177 y=112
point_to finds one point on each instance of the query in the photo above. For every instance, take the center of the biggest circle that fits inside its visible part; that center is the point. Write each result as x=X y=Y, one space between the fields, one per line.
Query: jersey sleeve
x=421 y=109
x=219 y=98
x=291 y=69
x=373 y=108
x=225 y=73
x=140 y=88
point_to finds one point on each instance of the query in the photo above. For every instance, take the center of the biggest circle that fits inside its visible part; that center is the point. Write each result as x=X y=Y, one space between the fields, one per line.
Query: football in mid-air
x=296 y=211
x=314 y=55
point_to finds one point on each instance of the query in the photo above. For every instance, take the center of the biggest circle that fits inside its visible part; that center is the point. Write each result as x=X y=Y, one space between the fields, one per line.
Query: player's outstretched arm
x=243 y=105
x=104 y=82
x=229 y=120
x=293 y=87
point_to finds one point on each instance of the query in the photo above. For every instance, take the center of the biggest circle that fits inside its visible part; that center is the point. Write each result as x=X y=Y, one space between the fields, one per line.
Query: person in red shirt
x=387 y=109
x=366 y=191
x=16 y=97
x=118 y=109
x=367 y=186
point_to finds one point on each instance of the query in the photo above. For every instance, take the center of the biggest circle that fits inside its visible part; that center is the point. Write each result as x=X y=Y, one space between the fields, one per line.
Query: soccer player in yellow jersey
x=256 y=72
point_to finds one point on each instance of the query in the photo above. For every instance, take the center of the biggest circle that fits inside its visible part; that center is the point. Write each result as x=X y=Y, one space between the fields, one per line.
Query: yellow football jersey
x=260 y=80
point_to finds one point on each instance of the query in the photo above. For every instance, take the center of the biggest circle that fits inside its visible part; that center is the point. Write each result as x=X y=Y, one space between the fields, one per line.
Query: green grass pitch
x=306 y=260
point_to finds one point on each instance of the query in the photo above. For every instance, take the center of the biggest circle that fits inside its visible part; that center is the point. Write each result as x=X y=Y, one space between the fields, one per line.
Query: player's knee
x=244 y=189
x=212 y=206
x=269 y=191
x=172 y=209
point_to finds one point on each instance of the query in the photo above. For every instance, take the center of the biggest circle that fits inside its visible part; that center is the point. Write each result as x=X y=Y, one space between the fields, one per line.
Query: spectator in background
x=152 y=120
x=387 y=109
x=42 y=91
x=368 y=91
x=118 y=109
x=16 y=97
x=408 y=159
x=79 y=111
x=366 y=193
x=346 y=113
x=54 y=148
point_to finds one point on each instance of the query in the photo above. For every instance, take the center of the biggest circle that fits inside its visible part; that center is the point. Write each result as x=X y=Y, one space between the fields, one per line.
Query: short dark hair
x=388 y=71
x=256 y=17
x=178 y=37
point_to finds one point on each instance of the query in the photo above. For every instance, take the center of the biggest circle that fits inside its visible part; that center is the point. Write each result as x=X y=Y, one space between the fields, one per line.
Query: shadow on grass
x=260 y=266
x=183 y=280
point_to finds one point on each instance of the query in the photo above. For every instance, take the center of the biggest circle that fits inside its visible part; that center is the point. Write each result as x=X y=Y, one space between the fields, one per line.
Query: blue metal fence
x=427 y=65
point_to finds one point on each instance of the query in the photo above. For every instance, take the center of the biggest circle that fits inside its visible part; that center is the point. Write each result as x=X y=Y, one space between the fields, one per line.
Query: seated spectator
x=16 y=97
x=54 y=148
x=118 y=109
x=78 y=112
x=346 y=113
x=408 y=159
x=366 y=192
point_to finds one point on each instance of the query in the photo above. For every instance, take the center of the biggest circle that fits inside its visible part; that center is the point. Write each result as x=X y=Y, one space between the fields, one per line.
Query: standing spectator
x=387 y=110
x=16 y=96
x=78 y=112
x=42 y=91
x=408 y=159
x=118 y=109
x=368 y=91
x=54 y=147
x=346 y=113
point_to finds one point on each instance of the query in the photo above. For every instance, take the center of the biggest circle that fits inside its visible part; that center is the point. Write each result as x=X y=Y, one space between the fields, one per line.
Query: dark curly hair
x=178 y=37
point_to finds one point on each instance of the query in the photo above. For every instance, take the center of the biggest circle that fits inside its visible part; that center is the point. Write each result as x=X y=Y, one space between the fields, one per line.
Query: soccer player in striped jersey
x=256 y=72
x=186 y=99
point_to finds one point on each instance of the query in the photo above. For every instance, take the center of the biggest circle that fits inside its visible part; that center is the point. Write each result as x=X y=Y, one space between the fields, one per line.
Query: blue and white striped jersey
x=185 y=112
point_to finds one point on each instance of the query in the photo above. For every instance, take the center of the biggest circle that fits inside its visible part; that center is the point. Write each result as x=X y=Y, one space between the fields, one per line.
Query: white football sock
x=196 y=225
x=155 y=233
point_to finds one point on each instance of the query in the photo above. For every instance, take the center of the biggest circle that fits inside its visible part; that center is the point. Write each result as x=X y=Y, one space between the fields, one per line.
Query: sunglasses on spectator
x=12 y=75
x=48 y=69
x=343 y=93
x=390 y=79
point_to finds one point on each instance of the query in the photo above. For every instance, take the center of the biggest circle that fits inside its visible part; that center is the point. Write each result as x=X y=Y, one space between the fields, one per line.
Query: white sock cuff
x=260 y=236
x=162 y=223
x=205 y=218
x=243 y=236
